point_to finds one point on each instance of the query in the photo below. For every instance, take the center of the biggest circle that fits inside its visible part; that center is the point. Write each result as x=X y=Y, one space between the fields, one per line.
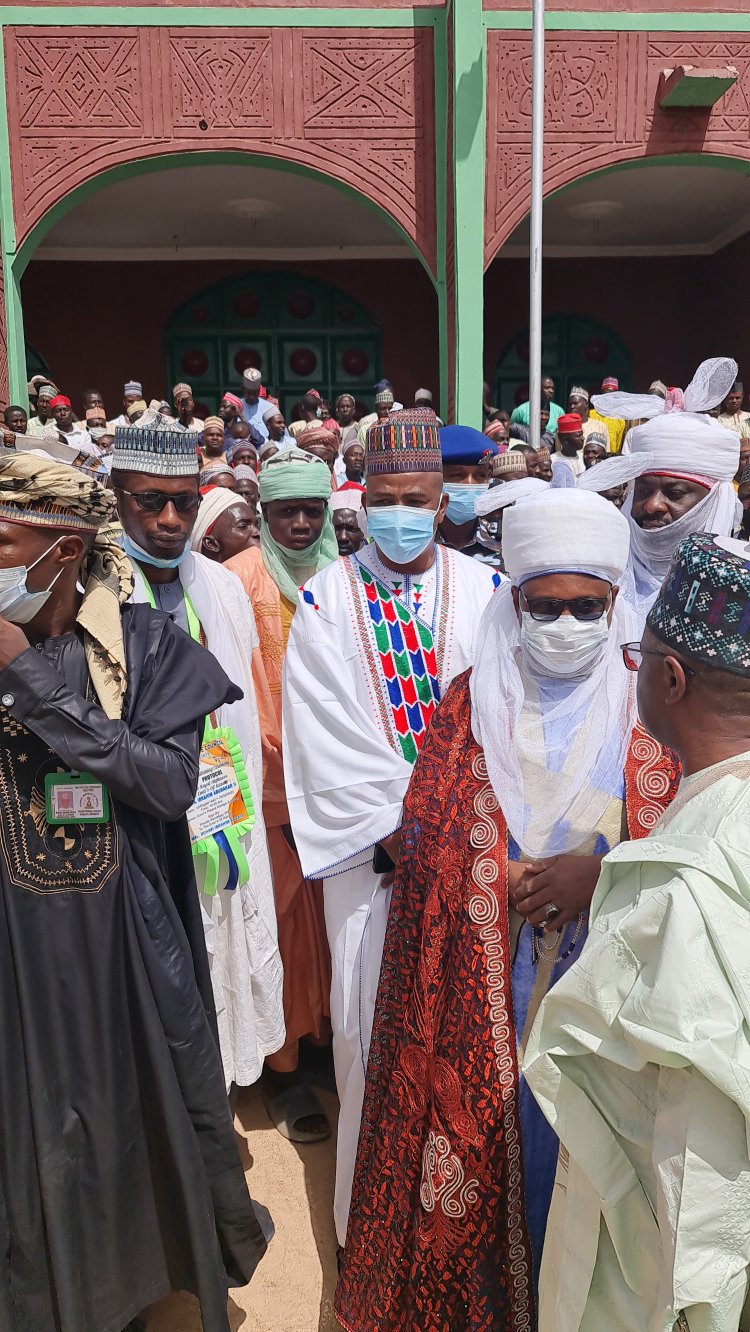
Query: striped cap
x=509 y=464
x=155 y=452
x=407 y=441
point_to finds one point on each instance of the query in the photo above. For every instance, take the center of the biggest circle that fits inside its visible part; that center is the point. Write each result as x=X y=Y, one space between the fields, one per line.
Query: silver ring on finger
x=550 y=911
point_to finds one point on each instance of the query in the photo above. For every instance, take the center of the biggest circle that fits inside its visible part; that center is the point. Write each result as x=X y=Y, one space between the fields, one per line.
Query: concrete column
x=468 y=89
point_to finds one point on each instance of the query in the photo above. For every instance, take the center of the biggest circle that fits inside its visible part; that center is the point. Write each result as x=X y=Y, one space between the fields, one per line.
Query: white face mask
x=566 y=648
x=17 y=603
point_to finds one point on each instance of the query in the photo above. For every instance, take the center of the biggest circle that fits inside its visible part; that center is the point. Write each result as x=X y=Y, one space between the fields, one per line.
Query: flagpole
x=535 y=229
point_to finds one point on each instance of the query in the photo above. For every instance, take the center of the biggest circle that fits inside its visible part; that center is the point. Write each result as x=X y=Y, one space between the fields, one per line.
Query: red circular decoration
x=195 y=362
x=200 y=314
x=522 y=351
x=300 y=305
x=355 y=362
x=303 y=361
x=246 y=304
x=247 y=358
x=345 y=314
x=596 y=349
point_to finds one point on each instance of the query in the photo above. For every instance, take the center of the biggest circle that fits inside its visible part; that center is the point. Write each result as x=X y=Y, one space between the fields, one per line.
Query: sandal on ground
x=288 y=1109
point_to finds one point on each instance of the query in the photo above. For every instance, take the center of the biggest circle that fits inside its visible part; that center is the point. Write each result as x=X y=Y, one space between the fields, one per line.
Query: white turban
x=273 y=410
x=555 y=755
x=565 y=531
x=509 y=492
x=676 y=440
x=675 y=443
x=215 y=503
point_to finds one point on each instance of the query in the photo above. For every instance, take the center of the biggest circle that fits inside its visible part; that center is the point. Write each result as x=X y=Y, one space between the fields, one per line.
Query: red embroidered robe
x=437 y=1237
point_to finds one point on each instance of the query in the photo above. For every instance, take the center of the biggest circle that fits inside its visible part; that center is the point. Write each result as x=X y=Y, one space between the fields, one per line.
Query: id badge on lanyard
x=223 y=810
x=75 y=797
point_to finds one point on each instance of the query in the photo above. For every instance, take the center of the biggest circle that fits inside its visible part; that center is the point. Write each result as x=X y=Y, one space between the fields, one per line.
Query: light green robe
x=640 y=1059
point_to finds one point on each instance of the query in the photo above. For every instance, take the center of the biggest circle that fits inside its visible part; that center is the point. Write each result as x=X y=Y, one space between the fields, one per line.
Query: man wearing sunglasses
x=640 y=1057
x=155 y=480
x=531 y=770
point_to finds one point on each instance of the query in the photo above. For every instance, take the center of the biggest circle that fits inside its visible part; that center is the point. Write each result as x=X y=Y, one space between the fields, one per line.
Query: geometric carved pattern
x=229 y=86
x=356 y=105
x=600 y=95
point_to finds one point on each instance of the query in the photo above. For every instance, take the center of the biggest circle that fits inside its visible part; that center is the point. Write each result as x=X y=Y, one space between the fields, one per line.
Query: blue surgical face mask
x=141 y=556
x=400 y=532
x=461 y=501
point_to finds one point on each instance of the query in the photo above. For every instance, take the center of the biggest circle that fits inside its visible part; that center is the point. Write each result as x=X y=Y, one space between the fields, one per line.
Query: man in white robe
x=376 y=639
x=683 y=464
x=206 y=599
x=640 y=1056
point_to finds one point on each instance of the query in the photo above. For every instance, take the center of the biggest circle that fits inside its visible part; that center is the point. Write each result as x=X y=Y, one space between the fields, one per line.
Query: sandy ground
x=292 y=1290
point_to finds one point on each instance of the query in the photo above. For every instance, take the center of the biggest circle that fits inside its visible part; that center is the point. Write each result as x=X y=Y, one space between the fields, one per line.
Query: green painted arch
x=565 y=339
x=636 y=162
x=210 y=157
x=711 y=161
x=266 y=319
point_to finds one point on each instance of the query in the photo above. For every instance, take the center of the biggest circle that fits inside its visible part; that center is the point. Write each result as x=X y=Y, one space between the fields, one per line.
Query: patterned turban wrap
x=45 y=494
x=703 y=609
x=407 y=441
x=318 y=434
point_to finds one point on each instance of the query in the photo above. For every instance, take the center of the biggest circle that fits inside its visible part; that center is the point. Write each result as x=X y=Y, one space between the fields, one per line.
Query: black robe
x=120 y=1178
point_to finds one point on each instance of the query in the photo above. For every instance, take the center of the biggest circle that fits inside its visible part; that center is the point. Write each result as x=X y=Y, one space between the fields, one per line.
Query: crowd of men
x=406 y=736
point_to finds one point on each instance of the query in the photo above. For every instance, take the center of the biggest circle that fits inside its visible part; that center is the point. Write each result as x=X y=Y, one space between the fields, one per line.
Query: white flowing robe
x=640 y=1059
x=346 y=778
x=243 y=951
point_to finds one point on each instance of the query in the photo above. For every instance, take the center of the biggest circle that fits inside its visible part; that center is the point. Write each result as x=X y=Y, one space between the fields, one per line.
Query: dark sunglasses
x=153 y=501
x=548 y=609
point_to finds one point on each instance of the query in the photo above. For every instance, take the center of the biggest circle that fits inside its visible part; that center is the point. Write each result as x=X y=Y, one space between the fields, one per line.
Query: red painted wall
x=670 y=313
x=115 y=314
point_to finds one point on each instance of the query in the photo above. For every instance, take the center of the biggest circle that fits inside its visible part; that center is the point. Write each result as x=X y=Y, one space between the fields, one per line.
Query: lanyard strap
x=230 y=839
x=194 y=624
x=195 y=629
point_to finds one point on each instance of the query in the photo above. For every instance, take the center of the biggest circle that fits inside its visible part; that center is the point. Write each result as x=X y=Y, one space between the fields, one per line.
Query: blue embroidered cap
x=703 y=608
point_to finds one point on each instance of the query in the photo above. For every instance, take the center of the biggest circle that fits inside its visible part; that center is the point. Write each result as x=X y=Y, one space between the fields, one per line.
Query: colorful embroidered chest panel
x=402 y=657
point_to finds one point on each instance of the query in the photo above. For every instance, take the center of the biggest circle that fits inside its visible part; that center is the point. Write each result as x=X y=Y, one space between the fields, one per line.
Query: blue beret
x=462 y=446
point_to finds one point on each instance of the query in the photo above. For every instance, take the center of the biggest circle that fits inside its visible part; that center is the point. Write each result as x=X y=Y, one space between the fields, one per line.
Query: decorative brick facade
x=356 y=105
x=600 y=109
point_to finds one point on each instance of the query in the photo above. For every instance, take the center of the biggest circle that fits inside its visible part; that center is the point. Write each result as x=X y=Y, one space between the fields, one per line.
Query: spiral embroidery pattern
x=652 y=775
x=485 y=911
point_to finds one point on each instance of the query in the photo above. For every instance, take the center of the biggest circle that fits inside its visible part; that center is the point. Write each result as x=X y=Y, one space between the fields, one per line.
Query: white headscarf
x=676 y=440
x=215 y=503
x=555 y=749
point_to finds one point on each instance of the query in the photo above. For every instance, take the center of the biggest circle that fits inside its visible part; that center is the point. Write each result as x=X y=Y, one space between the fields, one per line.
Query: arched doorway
x=299 y=332
x=653 y=254
x=575 y=350
x=170 y=230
